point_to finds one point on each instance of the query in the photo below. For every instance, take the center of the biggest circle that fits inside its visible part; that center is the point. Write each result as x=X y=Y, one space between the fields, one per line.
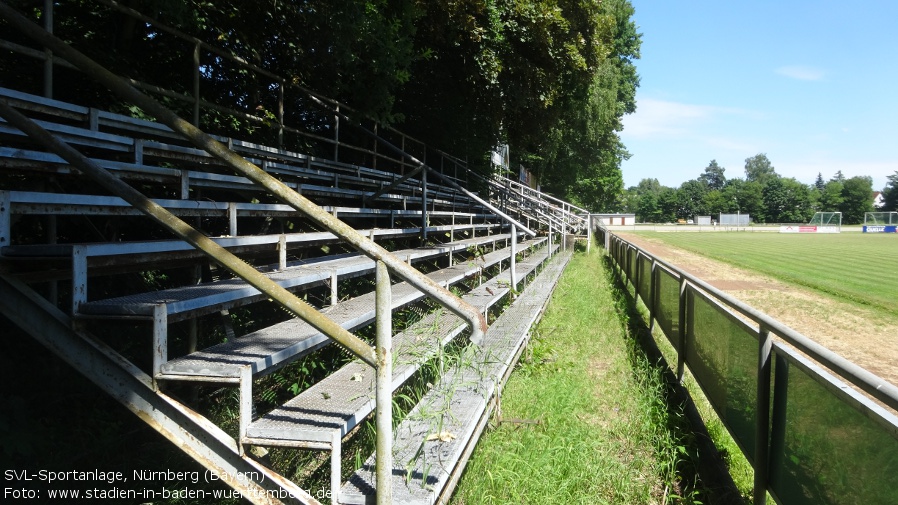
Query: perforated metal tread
x=271 y=346
x=422 y=468
x=346 y=397
x=210 y=297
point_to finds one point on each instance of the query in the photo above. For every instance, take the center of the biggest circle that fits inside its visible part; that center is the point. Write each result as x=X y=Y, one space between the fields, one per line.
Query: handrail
x=870 y=383
x=769 y=420
x=253 y=173
x=552 y=208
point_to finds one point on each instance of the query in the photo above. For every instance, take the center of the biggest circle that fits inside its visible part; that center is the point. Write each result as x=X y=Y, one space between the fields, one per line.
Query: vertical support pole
x=160 y=339
x=196 y=85
x=337 y=135
x=762 y=416
x=52 y=237
x=402 y=158
x=246 y=404
x=384 y=408
x=5 y=219
x=336 y=465
x=512 y=268
x=778 y=420
x=281 y=115
x=282 y=252
x=424 y=206
x=193 y=328
x=185 y=184
x=681 y=330
x=335 y=295
x=232 y=218
x=79 y=277
x=588 y=233
x=452 y=230
x=48 y=54
x=374 y=160
x=653 y=294
x=550 y=237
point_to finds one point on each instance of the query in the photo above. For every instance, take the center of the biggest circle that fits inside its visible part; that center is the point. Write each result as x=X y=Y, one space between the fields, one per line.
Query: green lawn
x=861 y=268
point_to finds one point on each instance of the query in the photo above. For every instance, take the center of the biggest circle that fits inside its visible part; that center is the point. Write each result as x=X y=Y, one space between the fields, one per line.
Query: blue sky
x=813 y=84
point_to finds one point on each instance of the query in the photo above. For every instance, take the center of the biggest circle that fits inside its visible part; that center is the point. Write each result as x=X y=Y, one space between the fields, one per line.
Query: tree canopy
x=763 y=194
x=550 y=78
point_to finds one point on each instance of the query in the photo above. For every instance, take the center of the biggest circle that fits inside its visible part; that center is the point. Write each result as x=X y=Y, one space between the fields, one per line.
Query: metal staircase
x=476 y=255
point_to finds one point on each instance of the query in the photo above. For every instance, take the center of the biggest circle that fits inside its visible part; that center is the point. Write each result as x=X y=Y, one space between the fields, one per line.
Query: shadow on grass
x=701 y=472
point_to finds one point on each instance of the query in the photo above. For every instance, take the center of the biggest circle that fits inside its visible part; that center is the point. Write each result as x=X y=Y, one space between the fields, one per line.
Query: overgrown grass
x=584 y=418
x=850 y=266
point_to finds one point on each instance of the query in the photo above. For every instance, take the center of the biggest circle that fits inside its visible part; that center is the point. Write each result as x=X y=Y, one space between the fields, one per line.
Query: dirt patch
x=864 y=336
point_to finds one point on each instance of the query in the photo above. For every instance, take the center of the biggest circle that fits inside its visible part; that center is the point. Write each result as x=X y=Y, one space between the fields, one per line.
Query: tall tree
x=819 y=183
x=890 y=193
x=857 y=199
x=713 y=176
x=759 y=169
x=786 y=201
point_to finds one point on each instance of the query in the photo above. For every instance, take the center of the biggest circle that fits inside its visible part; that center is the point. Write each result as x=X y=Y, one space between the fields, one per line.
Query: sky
x=812 y=84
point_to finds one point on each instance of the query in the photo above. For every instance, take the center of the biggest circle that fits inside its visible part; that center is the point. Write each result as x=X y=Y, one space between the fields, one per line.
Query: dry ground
x=861 y=335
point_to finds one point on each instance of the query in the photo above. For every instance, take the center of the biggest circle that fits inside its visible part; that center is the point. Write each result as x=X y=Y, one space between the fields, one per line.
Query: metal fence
x=810 y=436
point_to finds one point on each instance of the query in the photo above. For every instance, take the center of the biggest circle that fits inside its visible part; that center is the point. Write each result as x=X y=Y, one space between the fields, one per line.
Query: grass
x=859 y=268
x=584 y=418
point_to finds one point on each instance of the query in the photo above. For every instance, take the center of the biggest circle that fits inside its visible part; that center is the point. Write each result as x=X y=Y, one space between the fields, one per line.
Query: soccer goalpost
x=822 y=222
x=880 y=222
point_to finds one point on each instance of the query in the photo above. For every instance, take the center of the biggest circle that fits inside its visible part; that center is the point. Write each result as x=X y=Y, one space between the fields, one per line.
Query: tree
x=890 y=193
x=713 y=176
x=745 y=198
x=690 y=199
x=830 y=199
x=857 y=199
x=838 y=177
x=759 y=169
x=819 y=184
x=786 y=201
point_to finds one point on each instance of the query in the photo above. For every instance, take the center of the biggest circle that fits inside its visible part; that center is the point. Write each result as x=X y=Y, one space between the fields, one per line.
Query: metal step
x=343 y=399
x=185 y=301
x=271 y=347
x=433 y=443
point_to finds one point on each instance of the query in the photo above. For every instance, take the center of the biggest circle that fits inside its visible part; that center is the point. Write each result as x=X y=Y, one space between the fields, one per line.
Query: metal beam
x=130 y=386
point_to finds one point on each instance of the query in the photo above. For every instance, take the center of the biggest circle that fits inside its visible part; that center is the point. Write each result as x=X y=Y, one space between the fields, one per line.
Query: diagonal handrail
x=218 y=150
x=540 y=198
x=189 y=234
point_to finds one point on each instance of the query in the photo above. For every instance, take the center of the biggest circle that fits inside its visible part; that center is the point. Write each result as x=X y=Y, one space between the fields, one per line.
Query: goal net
x=881 y=218
x=826 y=219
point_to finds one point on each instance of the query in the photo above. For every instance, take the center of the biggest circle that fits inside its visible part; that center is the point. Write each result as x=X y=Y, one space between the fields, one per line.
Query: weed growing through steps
x=583 y=419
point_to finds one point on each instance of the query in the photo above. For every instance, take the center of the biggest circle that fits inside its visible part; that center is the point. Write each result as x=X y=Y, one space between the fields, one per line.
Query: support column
x=384 y=395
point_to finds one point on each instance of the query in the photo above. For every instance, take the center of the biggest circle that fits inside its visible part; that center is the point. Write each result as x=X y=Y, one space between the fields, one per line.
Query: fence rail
x=791 y=405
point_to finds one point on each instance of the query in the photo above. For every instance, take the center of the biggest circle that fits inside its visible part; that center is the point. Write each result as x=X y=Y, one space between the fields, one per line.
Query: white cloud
x=801 y=72
x=666 y=120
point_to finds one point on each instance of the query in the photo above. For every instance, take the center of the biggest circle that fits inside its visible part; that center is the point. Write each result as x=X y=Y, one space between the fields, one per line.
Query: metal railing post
x=762 y=416
x=681 y=330
x=424 y=207
x=48 y=54
x=196 y=85
x=513 y=263
x=384 y=396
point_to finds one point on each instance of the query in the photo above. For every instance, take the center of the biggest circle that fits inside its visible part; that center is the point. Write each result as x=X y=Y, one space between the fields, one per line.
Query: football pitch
x=857 y=267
